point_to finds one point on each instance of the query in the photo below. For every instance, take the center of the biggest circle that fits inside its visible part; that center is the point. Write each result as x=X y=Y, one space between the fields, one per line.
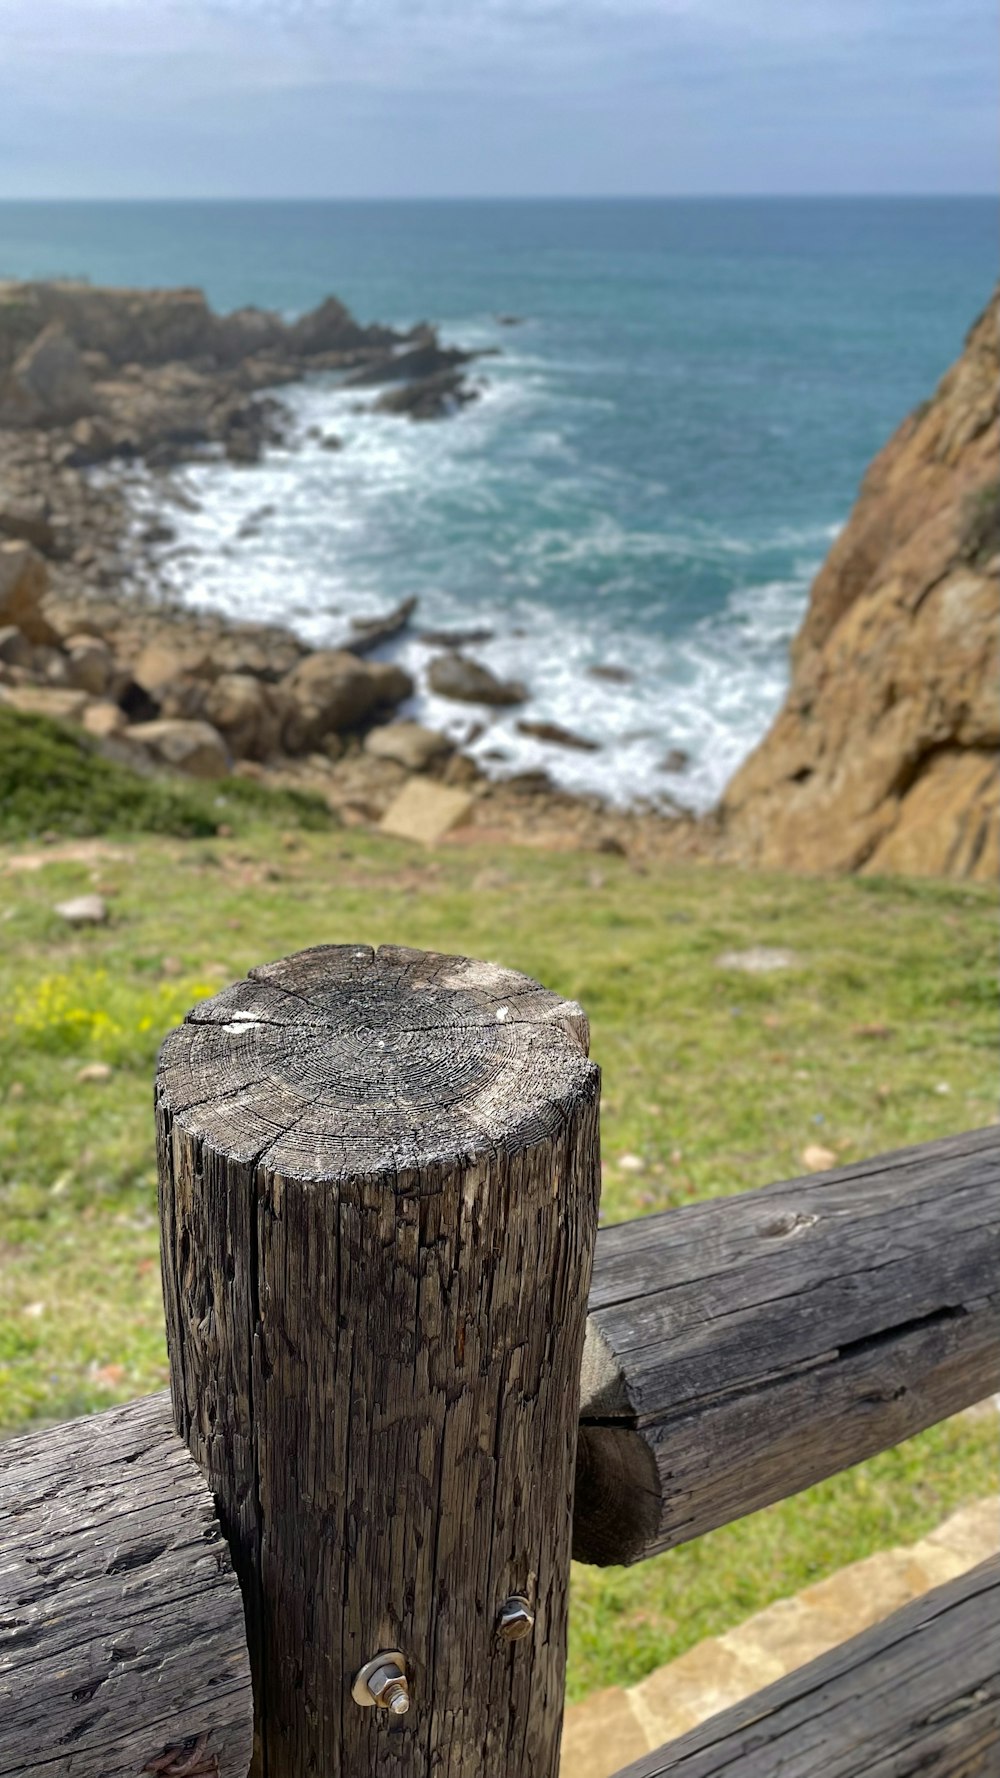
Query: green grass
x=54 y=780
x=713 y=1082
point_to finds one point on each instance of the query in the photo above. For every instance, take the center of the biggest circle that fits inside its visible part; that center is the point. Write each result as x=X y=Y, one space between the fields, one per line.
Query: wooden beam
x=739 y=1350
x=122 y=1642
x=379 y=1175
x=917 y=1696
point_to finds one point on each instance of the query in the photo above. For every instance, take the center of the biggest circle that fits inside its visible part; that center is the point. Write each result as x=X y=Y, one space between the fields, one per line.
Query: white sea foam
x=312 y=537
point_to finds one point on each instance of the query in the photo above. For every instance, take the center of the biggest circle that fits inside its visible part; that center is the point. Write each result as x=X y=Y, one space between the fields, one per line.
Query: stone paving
x=611 y=1728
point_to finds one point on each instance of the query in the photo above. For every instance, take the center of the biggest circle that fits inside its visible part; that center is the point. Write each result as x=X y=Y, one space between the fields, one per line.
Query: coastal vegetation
x=874 y=1028
x=53 y=780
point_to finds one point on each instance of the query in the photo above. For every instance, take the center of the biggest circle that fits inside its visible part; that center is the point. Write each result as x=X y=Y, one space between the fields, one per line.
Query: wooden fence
x=341 y=1549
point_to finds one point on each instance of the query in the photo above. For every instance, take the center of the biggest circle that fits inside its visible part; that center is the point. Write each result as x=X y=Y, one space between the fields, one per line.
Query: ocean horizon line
x=715 y=197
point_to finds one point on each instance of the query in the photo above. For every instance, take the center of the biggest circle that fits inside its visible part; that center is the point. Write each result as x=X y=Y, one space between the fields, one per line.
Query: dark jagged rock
x=453 y=676
x=454 y=638
x=430 y=398
x=368 y=633
x=557 y=736
x=420 y=362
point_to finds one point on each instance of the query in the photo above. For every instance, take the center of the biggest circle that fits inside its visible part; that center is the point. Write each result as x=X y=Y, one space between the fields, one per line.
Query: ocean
x=663 y=449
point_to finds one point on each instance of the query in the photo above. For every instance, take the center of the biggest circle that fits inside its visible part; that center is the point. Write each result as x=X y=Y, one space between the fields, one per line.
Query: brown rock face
x=331 y=691
x=883 y=757
x=47 y=384
x=192 y=747
x=247 y=713
x=23 y=585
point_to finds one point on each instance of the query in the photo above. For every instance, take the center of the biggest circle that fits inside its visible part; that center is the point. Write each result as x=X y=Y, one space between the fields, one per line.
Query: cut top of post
x=344 y=1062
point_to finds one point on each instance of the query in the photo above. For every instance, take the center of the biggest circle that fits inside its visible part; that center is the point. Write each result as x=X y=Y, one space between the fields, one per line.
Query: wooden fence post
x=379 y=1176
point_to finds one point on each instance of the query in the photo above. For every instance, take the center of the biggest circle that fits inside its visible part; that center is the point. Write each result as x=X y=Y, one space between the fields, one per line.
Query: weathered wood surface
x=122 y=1642
x=379 y=1177
x=740 y=1350
x=917 y=1696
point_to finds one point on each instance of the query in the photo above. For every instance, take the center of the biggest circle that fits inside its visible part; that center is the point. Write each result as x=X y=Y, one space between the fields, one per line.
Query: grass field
x=714 y=1081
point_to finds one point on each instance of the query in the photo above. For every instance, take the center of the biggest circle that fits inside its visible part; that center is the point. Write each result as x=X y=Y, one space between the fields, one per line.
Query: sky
x=426 y=98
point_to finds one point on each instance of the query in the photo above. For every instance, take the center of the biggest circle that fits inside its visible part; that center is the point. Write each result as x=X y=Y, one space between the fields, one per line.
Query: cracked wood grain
x=742 y=1349
x=121 y=1622
x=379 y=1175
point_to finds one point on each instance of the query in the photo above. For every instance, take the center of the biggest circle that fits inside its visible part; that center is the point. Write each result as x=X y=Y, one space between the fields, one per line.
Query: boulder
x=420 y=363
x=429 y=398
x=90 y=665
x=248 y=713
x=104 y=720
x=39 y=700
x=28 y=521
x=455 y=676
x=165 y=660
x=676 y=760
x=23 y=585
x=93 y=441
x=557 y=736
x=409 y=744
x=47 y=384
x=83 y=910
x=264 y=650
x=15 y=649
x=184 y=699
x=195 y=748
x=51 y=665
x=425 y=811
x=453 y=639
x=367 y=633
x=391 y=684
x=331 y=691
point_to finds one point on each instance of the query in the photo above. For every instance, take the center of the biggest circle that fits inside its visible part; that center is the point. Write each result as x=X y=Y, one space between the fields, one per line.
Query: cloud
x=129 y=95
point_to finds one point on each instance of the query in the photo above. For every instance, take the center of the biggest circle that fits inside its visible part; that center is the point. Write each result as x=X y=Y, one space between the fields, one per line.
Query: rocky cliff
x=884 y=755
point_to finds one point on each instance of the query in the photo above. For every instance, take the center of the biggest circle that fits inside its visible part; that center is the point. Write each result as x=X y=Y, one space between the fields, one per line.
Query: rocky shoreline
x=883 y=757
x=92 y=381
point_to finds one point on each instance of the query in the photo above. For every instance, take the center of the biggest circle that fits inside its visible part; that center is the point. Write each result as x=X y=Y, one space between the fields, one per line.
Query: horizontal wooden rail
x=122 y=1643
x=918 y=1696
x=736 y=1352
x=740 y=1350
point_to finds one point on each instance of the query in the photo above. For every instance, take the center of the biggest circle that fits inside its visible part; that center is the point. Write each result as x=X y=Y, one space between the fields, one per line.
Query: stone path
x=612 y=1727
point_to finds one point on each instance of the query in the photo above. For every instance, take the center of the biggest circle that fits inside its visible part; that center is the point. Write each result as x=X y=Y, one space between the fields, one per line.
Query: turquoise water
x=658 y=463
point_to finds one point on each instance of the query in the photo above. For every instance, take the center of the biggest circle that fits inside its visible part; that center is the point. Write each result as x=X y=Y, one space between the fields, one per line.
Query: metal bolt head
x=517 y=1618
x=383 y=1681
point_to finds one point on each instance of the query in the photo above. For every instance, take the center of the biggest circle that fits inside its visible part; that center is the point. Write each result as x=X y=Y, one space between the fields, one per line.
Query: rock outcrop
x=456 y=676
x=884 y=755
x=157 y=374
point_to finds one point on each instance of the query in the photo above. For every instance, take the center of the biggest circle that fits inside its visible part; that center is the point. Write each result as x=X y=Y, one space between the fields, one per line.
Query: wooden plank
x=379 y=1176
x=122 y=1641
x=917 y=1696
x=739 y=1350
